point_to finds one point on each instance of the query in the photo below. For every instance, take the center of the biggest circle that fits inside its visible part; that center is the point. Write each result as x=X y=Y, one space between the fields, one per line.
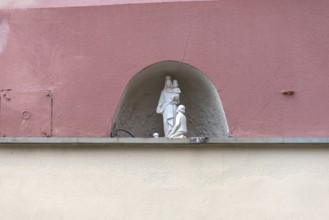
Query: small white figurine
x=180 y=129
x=167 y=105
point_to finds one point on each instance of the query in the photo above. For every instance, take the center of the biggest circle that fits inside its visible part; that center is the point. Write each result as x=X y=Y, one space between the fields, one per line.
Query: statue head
x=181 y=108
x=168 y=83
x=175 y=83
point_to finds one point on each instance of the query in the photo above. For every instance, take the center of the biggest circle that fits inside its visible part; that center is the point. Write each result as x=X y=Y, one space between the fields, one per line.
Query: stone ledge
x=161 y=142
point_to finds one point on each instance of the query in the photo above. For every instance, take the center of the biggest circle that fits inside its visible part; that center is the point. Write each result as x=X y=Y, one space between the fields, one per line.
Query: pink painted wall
x=251 y=50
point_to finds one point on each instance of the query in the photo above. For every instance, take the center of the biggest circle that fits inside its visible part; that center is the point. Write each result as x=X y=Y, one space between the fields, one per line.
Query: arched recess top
x=136 y=112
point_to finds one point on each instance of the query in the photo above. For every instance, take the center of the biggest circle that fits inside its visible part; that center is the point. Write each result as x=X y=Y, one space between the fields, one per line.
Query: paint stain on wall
x=4 y=31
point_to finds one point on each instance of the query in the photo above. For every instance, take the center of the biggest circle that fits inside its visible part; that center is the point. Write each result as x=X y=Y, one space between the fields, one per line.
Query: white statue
x=167 y=105
x=180 y=128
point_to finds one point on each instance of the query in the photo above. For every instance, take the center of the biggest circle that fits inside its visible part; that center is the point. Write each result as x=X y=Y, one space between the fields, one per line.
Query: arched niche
x=136 y=112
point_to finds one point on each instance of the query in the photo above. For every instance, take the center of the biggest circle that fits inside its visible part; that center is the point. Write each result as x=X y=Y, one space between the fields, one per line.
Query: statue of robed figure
x=167 y=106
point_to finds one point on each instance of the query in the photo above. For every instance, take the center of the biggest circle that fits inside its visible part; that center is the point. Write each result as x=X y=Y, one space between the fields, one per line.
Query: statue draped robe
x=167 y=107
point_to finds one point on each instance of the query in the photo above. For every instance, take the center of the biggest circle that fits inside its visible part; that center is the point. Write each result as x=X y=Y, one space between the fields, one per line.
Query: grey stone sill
x=56 y=141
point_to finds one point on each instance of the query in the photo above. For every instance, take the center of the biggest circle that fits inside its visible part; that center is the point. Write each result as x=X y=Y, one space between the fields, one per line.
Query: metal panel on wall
x=26 y=114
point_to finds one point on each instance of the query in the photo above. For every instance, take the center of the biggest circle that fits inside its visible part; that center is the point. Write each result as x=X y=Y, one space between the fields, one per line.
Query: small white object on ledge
x=155 y=135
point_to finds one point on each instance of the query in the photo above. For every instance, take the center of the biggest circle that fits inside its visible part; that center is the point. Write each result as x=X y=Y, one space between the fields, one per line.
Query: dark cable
x=126 y=132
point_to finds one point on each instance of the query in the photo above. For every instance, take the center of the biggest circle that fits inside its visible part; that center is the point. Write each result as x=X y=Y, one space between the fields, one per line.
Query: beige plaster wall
x=164 y=183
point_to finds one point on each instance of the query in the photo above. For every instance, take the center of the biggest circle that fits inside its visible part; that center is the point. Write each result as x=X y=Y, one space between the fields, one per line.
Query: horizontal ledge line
x=158 y=141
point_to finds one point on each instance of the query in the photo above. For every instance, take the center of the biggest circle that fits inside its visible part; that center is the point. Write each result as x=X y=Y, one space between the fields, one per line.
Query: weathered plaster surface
x=41 y=182
x=250 y=50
